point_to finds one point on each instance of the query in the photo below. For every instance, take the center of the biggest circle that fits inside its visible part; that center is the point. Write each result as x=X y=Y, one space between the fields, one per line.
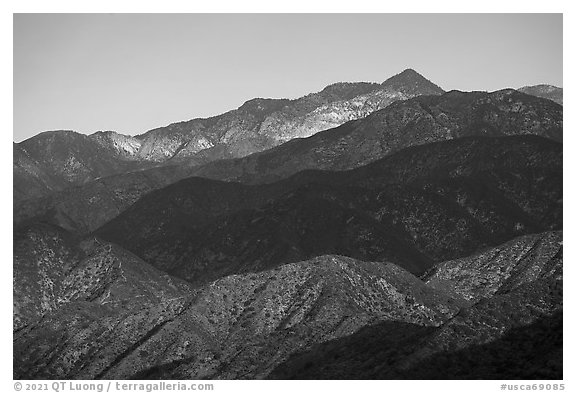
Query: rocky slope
x=513 y=330
x=103 y=317
x=549 y=92
x=263 y=123
x=125 y=146
x=53 y=268
x=276 y=312
x=53 y=161
x=420 y=206
x=417 y=121
x=501 y=269
x=381 y=320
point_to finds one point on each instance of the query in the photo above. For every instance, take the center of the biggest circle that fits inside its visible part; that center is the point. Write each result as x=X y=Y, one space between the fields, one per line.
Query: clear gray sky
x=134 y=72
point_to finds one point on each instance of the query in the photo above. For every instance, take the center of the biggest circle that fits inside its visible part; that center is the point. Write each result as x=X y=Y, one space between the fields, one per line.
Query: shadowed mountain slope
x=532 y=351
x=30 y=180
x=83 y=209
x=419 y=206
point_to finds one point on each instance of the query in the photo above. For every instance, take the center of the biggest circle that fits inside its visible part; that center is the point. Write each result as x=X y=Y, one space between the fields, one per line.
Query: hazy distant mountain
x=545 y=91
x=416 y=207
x=58 y=159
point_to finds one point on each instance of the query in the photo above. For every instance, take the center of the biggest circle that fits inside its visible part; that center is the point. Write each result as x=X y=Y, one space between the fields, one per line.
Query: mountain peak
x=409 y=80
x=407 y=74
x=410 y=72
x=263 y=106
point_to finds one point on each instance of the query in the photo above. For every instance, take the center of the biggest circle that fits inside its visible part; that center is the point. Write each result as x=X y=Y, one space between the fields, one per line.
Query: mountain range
x=54 y=161
x=367 y=231
x=406 y=123
x=51 y=161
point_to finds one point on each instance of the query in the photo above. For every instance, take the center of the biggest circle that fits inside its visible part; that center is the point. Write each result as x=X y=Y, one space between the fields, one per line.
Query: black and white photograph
x=287 y=196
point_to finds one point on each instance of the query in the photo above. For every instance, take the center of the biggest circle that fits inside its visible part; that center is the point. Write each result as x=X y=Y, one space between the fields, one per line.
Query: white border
x=246 y=6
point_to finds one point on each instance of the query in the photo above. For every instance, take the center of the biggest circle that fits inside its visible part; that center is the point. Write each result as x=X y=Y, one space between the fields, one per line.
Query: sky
x=134 y=72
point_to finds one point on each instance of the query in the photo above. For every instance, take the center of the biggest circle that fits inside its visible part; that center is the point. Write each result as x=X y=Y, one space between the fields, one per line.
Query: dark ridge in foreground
x=510 y=330
x=527 y=352
x=236 y=327
x=104 y=314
